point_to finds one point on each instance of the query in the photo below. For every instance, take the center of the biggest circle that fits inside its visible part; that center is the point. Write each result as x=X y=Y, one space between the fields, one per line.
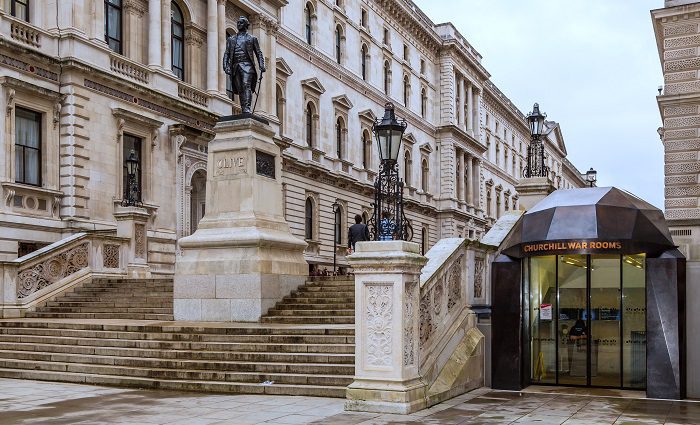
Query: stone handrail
x=128 y=68
x=36 y=277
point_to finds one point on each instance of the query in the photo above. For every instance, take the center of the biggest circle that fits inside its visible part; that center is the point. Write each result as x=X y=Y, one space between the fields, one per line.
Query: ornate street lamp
x=591 y=177
x=388 y=220
x=535 y=151
x=132 y=196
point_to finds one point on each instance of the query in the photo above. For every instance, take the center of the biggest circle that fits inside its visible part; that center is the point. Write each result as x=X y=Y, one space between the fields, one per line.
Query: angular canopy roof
x=591 y=214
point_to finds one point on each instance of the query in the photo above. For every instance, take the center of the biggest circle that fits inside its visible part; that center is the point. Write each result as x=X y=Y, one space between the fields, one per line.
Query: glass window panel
x=634 y=340
x=605 y=320
x=542 y=319
x=114 y=23
x=573 y=332
x=19 y=164
x=31 y=166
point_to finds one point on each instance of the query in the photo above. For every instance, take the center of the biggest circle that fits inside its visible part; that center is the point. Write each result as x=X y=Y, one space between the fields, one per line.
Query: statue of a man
x=239 y=62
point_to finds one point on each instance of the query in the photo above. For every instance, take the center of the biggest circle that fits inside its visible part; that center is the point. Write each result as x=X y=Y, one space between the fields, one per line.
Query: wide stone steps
x=135 y=316
x=181 y=385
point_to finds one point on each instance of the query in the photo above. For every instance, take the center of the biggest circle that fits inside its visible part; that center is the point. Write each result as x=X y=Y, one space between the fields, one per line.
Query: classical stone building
x=86 y=82
x=677 y=30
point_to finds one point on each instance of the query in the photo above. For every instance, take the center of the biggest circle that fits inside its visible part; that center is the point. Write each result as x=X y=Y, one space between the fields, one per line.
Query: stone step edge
x=178 y=385
x=150 y=336
x=170 y=328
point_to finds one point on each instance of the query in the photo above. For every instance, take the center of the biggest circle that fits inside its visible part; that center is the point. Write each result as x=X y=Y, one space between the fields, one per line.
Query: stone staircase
x=113 y=332
x=329 y=300
x=137 y=299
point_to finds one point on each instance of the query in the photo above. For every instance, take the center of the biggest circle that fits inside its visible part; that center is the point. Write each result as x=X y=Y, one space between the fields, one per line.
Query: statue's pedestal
x=533 y=189
x=242 y=259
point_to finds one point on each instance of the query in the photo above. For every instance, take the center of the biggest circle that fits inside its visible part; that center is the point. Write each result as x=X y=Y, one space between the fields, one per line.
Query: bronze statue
x=239 y=63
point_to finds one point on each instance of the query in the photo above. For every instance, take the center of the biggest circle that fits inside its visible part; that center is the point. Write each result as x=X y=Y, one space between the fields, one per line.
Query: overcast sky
x=593 y=67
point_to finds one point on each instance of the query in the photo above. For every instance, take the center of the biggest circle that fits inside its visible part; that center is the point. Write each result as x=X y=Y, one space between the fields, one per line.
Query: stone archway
x=198 y=190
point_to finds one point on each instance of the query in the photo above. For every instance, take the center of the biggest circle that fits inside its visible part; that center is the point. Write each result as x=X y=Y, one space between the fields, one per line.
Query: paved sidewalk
x=35 y=402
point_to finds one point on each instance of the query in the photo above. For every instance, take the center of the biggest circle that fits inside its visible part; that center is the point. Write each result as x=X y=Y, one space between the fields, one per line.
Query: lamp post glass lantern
x=591 y=177
x=535 y=151
x=388 y=221
x=132 y=193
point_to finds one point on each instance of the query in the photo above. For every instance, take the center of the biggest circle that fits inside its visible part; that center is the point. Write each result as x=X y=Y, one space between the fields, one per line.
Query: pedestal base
x=386 y=397
x=532 y=190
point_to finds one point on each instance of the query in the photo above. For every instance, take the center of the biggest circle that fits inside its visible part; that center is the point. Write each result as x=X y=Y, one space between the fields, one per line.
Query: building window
x=425 y=174
x=498 y=205
x=387 y=71
x=20 y=9
x=363 y=60
x=338 y=223
x=308 y=12
x=423 y=103
x=406 y=90
x=339 y=138
x=405 y=52
x=132 y=144
x=309 y=219
x=422 y=66
x=488 y=203
x=338 y=41
x=423 y=241
x=177 y=31
x=27 y=147
x=407 y=163
x=365 y=149
x=309 y=125
x=363 y=18
x=279 y=107
x=386 y=36
x=113 y=24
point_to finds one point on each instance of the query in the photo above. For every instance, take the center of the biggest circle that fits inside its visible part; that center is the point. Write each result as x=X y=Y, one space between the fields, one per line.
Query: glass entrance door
x=587 y=320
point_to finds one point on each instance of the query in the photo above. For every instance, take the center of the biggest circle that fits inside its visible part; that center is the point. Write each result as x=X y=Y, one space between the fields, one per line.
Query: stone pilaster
x=387 y=295
x=154 y=33
x=132 y=223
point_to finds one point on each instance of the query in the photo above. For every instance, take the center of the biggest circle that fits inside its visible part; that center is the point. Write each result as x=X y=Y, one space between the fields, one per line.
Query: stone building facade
x=85 y=82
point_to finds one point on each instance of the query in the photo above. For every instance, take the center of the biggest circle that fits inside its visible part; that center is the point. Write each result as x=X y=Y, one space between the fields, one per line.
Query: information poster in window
x=546 y=312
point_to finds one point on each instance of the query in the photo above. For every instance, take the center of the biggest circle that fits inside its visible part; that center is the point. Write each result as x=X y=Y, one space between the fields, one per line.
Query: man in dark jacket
x=358 y=232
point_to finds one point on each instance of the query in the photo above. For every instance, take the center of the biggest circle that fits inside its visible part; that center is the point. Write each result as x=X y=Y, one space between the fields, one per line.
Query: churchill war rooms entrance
x=589 y=290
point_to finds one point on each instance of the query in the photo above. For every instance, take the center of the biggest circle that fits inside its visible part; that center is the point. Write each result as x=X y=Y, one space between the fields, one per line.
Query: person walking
x=358 y=232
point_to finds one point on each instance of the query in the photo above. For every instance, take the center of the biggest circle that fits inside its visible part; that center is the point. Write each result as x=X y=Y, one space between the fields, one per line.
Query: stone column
x=460 y=106
x=98 y=12
x=222 y=45
x=242 y=258
x=476 y=182
x=212 y=46
x=460 y=176
x=470 y=105
x=470 y=175
x=166 y=58
x=131 y=223
x=154 y=33
x=387 y=294
x=476 y=111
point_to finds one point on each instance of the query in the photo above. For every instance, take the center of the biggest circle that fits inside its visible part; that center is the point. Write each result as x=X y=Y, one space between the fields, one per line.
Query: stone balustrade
x=128 y=68
x=25 y=34
x=31 y=280
x=192 y=94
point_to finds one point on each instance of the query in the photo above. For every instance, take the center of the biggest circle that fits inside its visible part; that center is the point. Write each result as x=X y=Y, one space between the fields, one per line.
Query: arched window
x=113 y=24
x=488 y=203
x=498 y=205
x=308 y=12
x=425 y=174
x=309 y=219
x=406 y=88
x=177 y=41
x=279 y=107
x=423 y=103
x=423 y=241
x=20 y=9
x=365 y=149
x=363 y=61
x=338 y=40
x=310 y=125
x=338 y=223
x=387 y=69
x=339 y=138
x=407 y=168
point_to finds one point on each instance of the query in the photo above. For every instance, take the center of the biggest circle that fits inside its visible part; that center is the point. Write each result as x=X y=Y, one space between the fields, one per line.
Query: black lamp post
x=388 y=187
x=535 y=152
x=335 y=207
x=132 y=196
x=591 y=177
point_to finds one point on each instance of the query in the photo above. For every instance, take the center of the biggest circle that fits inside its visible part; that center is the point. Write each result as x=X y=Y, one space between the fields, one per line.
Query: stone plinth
x=131 y=223
x=387 y=293
x=532 y=190
x=242 y=259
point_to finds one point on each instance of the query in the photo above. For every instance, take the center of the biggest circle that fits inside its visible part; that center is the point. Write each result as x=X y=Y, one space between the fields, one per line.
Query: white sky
x=593 y=67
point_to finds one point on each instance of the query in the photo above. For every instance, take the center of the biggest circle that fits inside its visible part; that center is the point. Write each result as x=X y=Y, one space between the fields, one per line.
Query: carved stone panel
x=140 y=240
x=454 y=284
x=110 y=256
x=52 y=270
x=379 y=316
x=409 y=321
x=478 y=277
